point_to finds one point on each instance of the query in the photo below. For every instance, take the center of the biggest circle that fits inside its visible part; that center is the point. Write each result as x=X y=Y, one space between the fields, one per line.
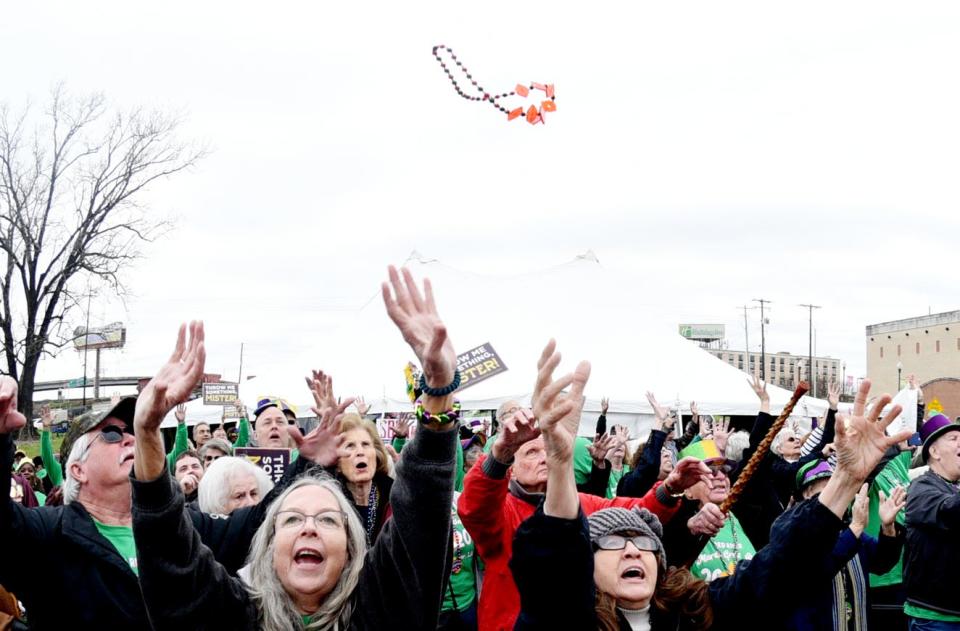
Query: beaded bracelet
x=442 y=418
x=440 y=392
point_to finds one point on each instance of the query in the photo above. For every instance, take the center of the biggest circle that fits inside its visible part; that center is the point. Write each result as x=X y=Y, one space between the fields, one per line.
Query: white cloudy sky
x=714 y=152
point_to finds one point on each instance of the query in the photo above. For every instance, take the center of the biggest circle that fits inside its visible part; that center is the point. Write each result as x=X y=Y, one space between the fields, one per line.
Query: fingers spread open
x=890 y=416
x=181 y=344
x=547 y=353
x=860 y=401
x=428 y=296
x=416 y=300
x=295 y=434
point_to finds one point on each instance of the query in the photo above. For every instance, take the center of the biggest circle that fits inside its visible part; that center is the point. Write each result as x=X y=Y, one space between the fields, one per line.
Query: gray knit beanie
x=615 y=521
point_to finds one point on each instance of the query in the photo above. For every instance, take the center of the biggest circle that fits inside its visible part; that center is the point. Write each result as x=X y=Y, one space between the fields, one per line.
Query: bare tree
x=72 y=183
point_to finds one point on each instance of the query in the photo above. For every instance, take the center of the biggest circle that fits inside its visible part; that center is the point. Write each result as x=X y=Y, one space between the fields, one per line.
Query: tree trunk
x=25 y=395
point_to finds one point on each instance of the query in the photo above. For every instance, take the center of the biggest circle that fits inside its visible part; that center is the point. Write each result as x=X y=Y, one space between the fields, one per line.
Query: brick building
x=785 y=369
x=927 y=346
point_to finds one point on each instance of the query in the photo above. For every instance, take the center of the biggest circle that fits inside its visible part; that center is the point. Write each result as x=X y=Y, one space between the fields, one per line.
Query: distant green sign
x=706 y=332
x=75 y=383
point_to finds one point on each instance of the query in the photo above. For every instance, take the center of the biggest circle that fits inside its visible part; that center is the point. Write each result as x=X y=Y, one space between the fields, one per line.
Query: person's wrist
x=502 y=452
x=890 y=530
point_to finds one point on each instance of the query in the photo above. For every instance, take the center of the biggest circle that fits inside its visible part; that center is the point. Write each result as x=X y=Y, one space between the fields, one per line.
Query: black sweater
x=553 y=563
x=401 y=584
x=933 y=550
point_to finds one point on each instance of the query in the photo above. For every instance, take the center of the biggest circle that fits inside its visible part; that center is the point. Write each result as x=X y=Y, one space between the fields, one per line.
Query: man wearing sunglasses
x=84 y=552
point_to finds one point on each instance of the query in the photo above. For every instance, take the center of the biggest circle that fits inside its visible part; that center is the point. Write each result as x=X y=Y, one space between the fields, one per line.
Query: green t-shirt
x=722 y=553
x=582 y=462
x=122 y=539
x=463 y=580
x=927 y=614
x=897 y=472
x=615 y=477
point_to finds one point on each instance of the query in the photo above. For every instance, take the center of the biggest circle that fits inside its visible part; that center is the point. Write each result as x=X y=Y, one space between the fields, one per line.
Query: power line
x=763 y=338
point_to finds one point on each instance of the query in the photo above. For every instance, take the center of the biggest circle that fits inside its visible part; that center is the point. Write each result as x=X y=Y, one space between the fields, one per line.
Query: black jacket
x=642 y=477
x=401 y=584
x=69 y=576
x=933 y=549
x=768 y=493
x=553 y=566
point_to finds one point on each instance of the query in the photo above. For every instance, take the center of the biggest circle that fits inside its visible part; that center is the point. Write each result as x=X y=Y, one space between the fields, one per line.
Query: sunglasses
x=111 y=434
x=619 y=542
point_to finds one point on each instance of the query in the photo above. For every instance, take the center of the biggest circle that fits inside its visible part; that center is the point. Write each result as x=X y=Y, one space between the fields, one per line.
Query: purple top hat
x=934 y=428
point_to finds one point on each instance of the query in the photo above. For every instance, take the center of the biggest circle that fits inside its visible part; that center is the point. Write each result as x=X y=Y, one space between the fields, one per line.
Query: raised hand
x=685 y=474
x=416 y=317
x=861 y=511
x=392 y=453
x=760 y=389
x=861 y=439
x=890 y=507
x=604 y=405
x=602 y=443
x=558 y=414
x=172 y=384
x=175 y=380
x=721 y=434
x=401 y=428
x=833 y=395
x=362 y=406
x=515 y=430
x=661 y=415
x=708 y=521
x=10 y=418
x=46 y=416
x=705 y=428
x=321 y=445
x=181 y=413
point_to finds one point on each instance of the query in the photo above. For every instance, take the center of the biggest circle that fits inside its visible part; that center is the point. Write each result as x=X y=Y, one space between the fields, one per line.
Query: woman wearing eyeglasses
x=309 y=565
x=611 y=572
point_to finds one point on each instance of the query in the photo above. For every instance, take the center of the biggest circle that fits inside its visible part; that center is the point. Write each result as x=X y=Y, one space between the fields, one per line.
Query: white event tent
x=632 y=348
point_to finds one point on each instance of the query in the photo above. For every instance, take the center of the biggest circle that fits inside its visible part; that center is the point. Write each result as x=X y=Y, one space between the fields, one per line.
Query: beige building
x=927 y=346
x=785 y=369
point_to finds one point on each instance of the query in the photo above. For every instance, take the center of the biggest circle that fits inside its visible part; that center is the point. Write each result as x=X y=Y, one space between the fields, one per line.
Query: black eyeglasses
x=619 y=542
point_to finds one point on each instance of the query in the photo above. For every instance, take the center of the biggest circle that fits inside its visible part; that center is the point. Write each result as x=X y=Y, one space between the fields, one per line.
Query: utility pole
x=86 y=337
x=763 y=339
x=746 y=335
x=812 y=374
x=240 y=374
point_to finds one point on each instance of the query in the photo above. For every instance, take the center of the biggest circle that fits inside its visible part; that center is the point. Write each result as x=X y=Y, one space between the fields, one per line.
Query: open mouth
x=126 y=458
x=308 y=558
x=634 y=573
x=361 y=466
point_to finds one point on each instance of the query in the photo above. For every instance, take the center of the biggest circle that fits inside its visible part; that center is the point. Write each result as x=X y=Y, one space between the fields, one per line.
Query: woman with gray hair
x=230 y=483
x=309 y=567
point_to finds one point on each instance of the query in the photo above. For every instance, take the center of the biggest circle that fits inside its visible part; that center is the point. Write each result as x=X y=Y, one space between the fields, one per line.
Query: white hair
x=777 y=443
x=737 y=444
x=79 y=452
x=276 y=609
x=215 y=488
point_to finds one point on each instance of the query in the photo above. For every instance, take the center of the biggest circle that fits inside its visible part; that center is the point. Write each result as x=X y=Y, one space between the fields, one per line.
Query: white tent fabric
x=632 y=349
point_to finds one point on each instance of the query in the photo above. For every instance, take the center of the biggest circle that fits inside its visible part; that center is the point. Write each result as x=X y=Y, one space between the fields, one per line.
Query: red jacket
x=491 y=514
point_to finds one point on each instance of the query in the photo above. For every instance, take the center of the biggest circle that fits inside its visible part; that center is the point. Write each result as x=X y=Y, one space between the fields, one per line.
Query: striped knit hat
x=615 y=521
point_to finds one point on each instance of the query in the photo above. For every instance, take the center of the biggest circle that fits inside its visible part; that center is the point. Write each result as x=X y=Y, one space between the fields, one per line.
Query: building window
x=881 y=349
x=918 y=348
x=938 y=346
x=898 y=350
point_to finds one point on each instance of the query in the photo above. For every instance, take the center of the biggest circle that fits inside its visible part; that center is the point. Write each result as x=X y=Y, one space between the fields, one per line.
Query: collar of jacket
x=79 y=528
x=517 y=490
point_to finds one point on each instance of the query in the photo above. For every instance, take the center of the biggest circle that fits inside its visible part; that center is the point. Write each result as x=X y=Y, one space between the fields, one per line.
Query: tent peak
x=588 y=256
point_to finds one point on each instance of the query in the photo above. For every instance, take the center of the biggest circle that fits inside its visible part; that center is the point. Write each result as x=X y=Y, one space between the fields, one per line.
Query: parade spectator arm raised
x=647 y=467
x=398 y=583
x=600 y=469
x=181 y=441
x=554 y=562
x=493 y=505
x=243 y=431
x=54 y=469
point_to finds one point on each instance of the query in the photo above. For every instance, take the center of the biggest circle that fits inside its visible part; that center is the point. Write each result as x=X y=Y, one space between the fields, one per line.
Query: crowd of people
x=450 y=526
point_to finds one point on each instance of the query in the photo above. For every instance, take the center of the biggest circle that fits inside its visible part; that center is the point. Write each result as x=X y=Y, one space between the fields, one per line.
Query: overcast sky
x=712 y=152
